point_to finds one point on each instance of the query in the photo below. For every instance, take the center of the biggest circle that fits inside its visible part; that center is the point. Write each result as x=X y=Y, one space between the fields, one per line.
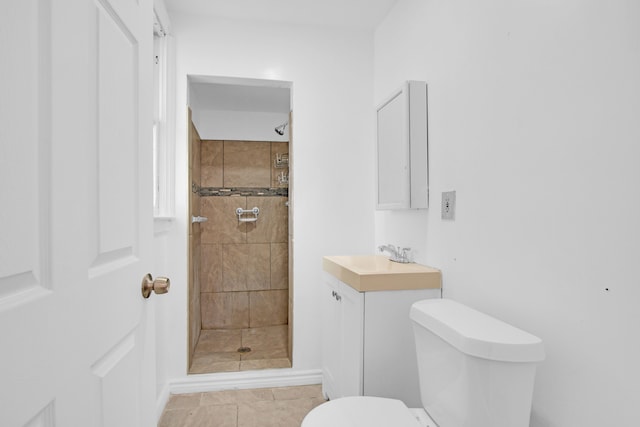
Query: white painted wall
x=533 y=120
x=332 y=156
x=239 y=125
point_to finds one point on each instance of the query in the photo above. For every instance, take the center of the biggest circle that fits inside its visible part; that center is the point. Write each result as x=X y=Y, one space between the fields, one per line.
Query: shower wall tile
x=247 y=164
x=212 y=153
x=225 y=310
x=212 y=164
x=279 y=266
x=223 y=225
x=195 y=151
x=194 y=292
x=278 y=148
x=272 y=223
x=195 y=202
x=268 y=308
x=245 y=267
x=211 y=268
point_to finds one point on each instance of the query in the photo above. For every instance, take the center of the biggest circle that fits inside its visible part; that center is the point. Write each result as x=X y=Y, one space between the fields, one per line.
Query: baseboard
x=244 y=380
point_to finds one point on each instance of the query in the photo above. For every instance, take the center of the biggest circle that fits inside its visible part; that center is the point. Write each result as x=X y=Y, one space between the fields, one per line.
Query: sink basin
x=376 y=273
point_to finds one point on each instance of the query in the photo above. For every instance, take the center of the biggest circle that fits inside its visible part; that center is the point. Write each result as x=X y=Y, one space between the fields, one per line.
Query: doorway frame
x=247 y=82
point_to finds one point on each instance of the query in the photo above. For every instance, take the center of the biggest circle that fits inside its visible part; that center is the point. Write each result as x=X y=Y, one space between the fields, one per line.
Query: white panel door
x=76 y=337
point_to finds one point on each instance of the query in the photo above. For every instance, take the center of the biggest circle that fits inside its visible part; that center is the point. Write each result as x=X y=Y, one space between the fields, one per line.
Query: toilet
x=474 y=371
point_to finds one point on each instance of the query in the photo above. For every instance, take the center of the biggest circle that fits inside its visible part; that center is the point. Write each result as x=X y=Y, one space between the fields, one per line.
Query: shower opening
x=240 y=233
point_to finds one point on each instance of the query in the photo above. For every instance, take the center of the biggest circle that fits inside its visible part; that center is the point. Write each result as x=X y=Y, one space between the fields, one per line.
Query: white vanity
x=368 y=346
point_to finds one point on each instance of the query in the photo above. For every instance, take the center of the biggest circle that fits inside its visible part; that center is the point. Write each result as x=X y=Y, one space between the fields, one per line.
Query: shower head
x=280 y=129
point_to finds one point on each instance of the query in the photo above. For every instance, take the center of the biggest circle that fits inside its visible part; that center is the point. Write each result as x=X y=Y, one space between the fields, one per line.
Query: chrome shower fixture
x=280 y=129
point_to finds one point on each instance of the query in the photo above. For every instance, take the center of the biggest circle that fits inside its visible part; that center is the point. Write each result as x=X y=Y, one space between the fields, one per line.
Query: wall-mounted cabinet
x=402 y=155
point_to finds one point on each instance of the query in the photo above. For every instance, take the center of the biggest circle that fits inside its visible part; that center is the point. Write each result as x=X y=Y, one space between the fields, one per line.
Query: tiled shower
x=238 y=286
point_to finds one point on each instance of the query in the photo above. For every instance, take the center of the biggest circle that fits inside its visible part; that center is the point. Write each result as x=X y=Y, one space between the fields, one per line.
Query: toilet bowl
x=365 y=411
x=474 y=371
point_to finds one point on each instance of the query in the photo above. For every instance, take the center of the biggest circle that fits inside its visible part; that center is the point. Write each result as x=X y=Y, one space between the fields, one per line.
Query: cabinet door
x=393 y=170
x=331 y=340
x=342 y=340
x=351 y=359
x=402 y=149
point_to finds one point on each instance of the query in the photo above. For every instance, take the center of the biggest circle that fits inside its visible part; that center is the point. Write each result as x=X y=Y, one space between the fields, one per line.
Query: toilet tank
x=474 y=370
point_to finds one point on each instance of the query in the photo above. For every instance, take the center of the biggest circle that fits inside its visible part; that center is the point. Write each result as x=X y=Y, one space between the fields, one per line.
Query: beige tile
x=195 y=203
x=211 y=268
x=272 y=224
x=212 y=152
x=223 y=225
x=278 y=148
x=298 y=392
x=211 y=176
x=279 y=266
x=265 y=338
x=209 y=357
x=215 y=362
x=247 y=164
x=225 y=310
x=286 y=413
x=219 y=340
x=184 y=401
x=195 y=150
x=268 y=308
x=276 y=353
x=282 y=407
x=212 y=164
x=251 y=365
x=194 y=293
x=194 y=324
x=174 y=417
x=237 y=396
x=207 y=416
x=246 y=267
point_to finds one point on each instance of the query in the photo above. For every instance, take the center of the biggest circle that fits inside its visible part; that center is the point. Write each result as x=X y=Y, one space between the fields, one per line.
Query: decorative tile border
x=220 y=191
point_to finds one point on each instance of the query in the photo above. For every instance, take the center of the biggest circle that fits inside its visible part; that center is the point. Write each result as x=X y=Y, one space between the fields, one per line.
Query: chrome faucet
x=397 y=254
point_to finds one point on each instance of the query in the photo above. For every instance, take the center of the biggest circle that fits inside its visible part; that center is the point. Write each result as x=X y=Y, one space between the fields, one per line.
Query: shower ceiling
x=364 y=14
x=212 y=95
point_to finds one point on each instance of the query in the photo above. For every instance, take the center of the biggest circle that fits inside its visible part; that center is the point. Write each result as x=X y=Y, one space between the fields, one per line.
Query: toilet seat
x=361 y=411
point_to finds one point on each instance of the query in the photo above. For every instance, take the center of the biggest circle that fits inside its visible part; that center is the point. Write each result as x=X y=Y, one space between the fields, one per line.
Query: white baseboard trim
x=244 y=380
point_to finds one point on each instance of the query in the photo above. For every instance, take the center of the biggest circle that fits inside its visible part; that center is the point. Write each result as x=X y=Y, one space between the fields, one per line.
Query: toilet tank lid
x=476 y=333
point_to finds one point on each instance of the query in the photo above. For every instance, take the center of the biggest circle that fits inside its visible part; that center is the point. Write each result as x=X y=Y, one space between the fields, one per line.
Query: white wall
x=332 y=156
x=239 y=125
x=533 y=120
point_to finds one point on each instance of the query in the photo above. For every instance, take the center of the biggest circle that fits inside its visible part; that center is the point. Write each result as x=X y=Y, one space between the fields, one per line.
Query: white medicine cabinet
x=402 y=155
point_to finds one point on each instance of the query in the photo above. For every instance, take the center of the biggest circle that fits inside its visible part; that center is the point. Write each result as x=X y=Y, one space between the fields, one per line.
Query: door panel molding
x=25 y=160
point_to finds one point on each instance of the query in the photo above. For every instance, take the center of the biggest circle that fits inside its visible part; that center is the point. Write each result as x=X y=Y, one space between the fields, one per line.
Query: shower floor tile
x=217 y=350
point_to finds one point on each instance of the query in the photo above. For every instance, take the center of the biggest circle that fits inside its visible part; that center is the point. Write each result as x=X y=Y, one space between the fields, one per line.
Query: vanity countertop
x=376 y=273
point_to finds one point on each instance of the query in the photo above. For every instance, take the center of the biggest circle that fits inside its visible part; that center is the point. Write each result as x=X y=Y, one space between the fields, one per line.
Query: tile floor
x=217 y=350
x=267 y=407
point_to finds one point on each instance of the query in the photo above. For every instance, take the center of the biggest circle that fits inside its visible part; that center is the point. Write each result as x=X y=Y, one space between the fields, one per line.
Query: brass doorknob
x=159 y=286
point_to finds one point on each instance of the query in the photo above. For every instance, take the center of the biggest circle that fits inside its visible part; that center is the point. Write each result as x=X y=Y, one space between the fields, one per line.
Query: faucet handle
x=405 y=254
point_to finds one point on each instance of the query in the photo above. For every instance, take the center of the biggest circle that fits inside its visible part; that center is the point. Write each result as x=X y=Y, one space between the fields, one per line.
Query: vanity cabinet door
x=331 y=340
x=342 y=341
x=352 y=346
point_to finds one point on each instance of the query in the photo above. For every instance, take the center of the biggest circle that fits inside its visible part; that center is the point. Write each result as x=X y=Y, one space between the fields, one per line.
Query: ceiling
x=204 y=95
x=361 y=14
